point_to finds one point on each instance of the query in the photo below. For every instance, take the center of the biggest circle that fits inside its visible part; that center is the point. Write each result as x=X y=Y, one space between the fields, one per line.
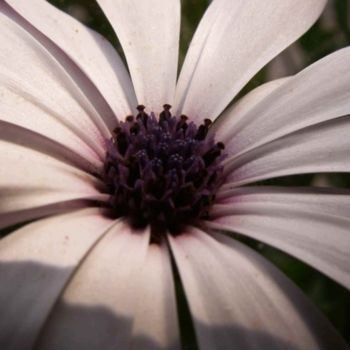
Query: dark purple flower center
x=162 y=172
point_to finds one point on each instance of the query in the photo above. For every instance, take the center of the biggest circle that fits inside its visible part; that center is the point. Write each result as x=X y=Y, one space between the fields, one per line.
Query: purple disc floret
x=162 y=171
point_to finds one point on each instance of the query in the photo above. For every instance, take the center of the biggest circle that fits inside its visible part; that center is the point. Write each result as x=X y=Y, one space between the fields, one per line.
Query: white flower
x=80 y=279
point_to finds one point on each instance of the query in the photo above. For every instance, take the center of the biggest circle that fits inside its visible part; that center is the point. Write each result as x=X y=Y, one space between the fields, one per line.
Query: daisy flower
x=134 y=183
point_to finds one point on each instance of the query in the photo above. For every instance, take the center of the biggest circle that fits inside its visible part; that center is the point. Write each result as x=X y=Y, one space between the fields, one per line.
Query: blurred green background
x=331 y=32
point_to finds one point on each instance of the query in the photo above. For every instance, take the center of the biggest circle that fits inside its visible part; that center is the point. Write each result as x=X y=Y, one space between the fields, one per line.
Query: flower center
x=162 y=172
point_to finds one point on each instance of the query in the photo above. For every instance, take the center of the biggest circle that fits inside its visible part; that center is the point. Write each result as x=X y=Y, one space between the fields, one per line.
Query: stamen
x=162 y=173
x=165 y=115
x=130 y=118
x=142 y=115
x=203 y=130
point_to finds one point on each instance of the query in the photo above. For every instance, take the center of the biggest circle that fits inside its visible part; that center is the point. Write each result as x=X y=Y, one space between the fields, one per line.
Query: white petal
x=35 y=264
x=97 y=308
x=30 y=179
x=90 y=51
x=310 y=224
x=317 y=94
x=233 y=41
x=32 y=80
x=21 y=109
x=237 y=297
x=156 y=322
x=14 y=133
x=35 y=212
x=224 y=126
x=320 y=148
x=148 y=31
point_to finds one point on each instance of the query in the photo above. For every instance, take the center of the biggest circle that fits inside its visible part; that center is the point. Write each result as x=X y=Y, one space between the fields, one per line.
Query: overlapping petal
x=238 y=298
x=156 y=322
x=148 y=31
x=39 y=94
x=310 y=224
x=90 y=51
x=323 y=147
x=13 y=133
x=97 y=308
x=224 y=126
x=35 y=264
x=233 y=41
x=317 y=94
x=30 y=179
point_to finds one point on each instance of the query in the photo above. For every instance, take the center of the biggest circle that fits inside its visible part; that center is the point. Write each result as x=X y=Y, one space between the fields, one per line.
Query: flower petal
x=317 y=94
x=16 y=134
x=90 y=51
x=155 y=325
x=30 y=179
x=233 y=41
x=97 y=308
x=32 y=80
x=224 y=126
x=24 y=111
x=148 y=31
x=20 y=216
x=237 y=297
x=35 y=264
x=319 y=148
x=310 y=224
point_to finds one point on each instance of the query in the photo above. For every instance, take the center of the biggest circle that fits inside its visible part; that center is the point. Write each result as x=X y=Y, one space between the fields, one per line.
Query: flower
x=86 y=275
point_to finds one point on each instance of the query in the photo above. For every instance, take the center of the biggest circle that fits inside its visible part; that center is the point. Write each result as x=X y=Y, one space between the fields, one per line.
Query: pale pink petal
x=317 y=94
x=37 y=93
x=156 y=321
x=14 y=133
x=35 y=264
x=90 y=51
x=319 y=148
x=233 y=41
x=148 y=31
x=224 y=126
x=25 y=111
x=29 y=179
x=97 y=308
x=24 y=215
x=310 y=224
x=104 y=118
x=238 y=298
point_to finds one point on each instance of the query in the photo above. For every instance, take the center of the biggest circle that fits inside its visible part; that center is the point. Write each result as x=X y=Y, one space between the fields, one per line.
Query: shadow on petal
x=23 y=216
x=237 y=337
x=32 y=318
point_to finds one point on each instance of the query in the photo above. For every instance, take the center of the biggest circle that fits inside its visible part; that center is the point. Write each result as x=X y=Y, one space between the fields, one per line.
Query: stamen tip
x=167 y=107
x=140 y=108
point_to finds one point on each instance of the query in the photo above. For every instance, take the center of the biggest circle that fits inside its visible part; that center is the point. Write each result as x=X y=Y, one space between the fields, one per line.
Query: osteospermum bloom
x=134 y=179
